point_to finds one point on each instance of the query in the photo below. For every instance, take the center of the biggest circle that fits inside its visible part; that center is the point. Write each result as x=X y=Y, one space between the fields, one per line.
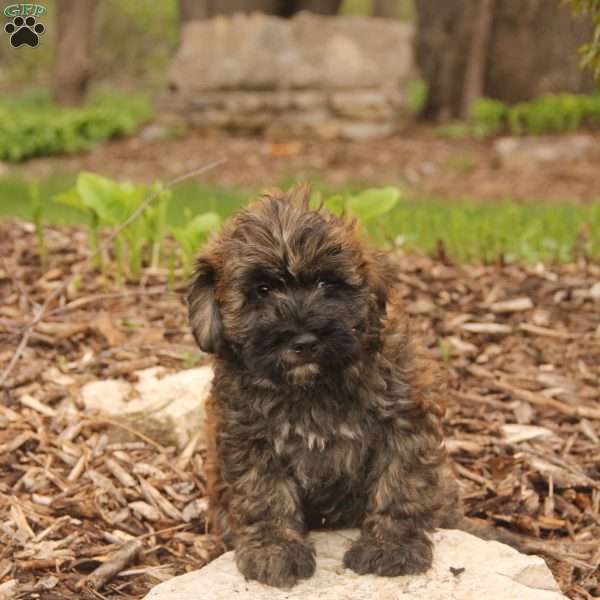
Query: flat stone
x=259 y=52
x=519 y=151
x=364 y=130
x=168 y=408
x=369 y=105
x=464 y=568
x=310 y=123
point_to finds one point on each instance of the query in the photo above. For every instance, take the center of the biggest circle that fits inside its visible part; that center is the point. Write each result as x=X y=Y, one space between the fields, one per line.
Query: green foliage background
x=134 y=40
x=590 y=53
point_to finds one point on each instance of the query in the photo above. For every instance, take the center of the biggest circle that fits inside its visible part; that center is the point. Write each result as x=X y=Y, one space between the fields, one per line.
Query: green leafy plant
x=551 y=113
x=590 y=52
x=365 y=206
x=111 y=204
x=489 y=116
x=372 y=203
x=37 y=213
x=416 y=95
x=42 y=128
x=193 y=234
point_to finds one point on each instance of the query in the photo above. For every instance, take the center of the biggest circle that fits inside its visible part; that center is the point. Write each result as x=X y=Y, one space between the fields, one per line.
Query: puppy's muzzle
x=301 y=349
x=304 y=345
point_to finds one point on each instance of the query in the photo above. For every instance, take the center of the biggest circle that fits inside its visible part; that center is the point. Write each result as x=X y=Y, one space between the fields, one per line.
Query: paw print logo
x=24 y=31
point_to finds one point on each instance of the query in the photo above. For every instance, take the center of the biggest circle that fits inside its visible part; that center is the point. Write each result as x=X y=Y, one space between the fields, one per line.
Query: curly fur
x=351 y=436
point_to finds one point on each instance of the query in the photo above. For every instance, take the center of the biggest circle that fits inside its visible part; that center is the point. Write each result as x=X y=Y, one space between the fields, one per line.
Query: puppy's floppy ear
x=203 y=311
x=384 y=278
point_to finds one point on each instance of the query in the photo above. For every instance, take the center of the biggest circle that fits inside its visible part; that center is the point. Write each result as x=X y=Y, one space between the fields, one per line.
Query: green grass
x=469 y=231
x=484 y=232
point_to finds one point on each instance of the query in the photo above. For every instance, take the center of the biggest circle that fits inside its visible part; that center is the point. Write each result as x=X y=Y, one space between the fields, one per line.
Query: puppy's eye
x=324 y=282
x=263 y=289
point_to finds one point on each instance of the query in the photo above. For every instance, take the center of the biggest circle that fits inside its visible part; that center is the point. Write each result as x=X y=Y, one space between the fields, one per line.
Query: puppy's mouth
x=303 y=374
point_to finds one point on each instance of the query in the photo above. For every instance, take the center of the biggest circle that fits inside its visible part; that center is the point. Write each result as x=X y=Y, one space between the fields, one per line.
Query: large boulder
x=464 y=568
x=255 y=72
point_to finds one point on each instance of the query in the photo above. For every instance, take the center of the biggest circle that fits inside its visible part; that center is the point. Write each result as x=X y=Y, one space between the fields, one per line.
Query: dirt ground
x=425 y=163
x=520 y=347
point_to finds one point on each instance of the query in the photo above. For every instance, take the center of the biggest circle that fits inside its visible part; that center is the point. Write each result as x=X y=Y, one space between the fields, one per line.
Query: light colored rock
x=364 y=130
x=519 y=151
x=465 y=568
x=317 y=123
x=368 y=104
x=259 y=52
x=258 y=72
x=169 y=408
x=155 y=133
x=345 y=65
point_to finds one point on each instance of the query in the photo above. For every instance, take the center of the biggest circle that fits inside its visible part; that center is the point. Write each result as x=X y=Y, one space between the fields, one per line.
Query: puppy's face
x=288 y=292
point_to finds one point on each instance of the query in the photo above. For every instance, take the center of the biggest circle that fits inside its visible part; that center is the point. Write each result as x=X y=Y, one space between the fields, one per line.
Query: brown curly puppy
x=322 y=414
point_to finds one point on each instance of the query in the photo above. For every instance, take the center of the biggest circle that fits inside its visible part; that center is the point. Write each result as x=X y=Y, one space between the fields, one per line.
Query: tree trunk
x=388 y=9
x=322 y=7
x=190 y=10
x=531 y=50
x=75 y=23
x=478 y=56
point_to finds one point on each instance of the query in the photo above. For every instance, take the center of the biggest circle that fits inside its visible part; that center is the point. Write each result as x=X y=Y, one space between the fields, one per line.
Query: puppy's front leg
x=270 y=541
x=402 y=502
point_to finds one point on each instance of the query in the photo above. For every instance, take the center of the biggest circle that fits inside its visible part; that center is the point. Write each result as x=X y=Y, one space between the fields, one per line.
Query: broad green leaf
x=204 y=223
x=372 y=203
x=336 y=204
x=315 y=199
x=104 y=197
x=191 y=237
x=72 y=199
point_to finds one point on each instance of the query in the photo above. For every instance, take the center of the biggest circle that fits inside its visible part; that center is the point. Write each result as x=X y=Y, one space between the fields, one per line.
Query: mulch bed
x=82 y=516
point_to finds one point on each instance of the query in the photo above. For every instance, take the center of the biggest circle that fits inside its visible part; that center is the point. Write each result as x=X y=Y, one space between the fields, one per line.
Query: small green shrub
x=551 y=113
x=416 y=95
x=37 y=127
x=489 y=116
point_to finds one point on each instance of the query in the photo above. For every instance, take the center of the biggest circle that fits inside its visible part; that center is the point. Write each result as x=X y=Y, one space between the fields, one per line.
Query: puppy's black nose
x=305 y=343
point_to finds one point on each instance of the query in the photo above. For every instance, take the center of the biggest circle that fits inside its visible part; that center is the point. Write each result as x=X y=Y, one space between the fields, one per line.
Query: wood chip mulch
x=86 y=517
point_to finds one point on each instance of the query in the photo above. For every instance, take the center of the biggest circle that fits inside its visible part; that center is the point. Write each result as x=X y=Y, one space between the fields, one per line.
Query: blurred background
x=463 y=135
x=483 y=111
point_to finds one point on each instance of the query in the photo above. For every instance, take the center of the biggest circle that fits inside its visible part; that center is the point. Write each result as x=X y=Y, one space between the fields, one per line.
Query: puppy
x=322 y=414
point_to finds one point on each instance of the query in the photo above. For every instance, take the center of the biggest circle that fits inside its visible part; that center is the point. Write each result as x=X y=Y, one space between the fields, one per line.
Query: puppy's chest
x=320 y=448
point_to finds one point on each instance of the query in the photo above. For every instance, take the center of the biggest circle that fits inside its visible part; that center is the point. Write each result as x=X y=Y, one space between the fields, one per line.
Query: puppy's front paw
x=371 y=555
x=279 y=562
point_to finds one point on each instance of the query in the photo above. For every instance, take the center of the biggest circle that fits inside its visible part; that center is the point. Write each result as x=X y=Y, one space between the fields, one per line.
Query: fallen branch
x=107 y=571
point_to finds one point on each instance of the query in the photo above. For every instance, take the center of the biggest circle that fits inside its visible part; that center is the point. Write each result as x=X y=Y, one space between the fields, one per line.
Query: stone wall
x=308 y=76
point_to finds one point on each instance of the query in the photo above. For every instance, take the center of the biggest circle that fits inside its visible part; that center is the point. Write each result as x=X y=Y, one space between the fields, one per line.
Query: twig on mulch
x=113 y=566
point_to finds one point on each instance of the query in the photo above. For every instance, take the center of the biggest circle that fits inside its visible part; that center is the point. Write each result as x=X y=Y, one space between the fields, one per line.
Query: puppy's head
x=289 y=293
